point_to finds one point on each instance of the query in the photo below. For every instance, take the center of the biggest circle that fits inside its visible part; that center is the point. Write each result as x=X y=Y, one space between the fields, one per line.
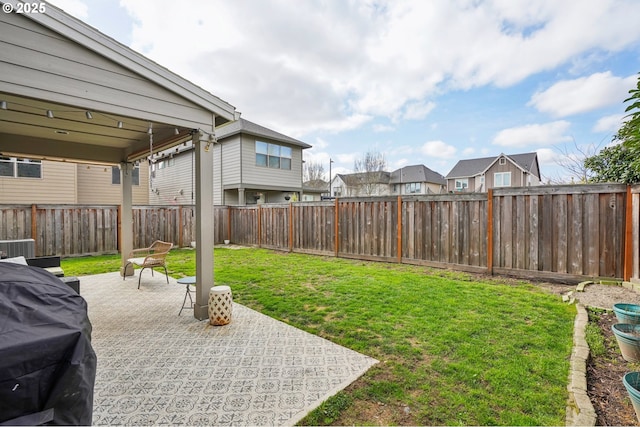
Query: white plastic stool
x=220 y=305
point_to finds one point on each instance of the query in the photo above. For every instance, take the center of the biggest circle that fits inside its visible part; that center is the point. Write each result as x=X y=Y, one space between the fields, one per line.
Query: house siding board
x=36 y=59
x=231 y=156
x=95 y=187
x=171 y=179
x=57 y=185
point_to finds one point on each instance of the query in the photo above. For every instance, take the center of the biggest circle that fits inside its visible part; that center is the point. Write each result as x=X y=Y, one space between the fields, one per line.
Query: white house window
x=15 y=167
x=115 y=175
x=502 y=161
x=337 y=191
x=273 y=155
x=502 y=179
x=412 y=187
x=462 y=183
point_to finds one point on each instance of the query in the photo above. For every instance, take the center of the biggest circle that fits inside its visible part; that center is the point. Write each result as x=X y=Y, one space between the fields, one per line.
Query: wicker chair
x=151 y=257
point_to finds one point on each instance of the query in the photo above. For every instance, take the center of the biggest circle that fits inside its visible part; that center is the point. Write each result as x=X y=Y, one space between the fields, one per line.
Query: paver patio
x=155 y=367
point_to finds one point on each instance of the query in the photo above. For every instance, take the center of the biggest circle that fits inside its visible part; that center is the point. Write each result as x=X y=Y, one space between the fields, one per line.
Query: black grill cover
x=47 y=364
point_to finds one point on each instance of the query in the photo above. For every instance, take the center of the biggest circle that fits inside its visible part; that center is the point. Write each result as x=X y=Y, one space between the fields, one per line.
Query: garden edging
x=580 y=411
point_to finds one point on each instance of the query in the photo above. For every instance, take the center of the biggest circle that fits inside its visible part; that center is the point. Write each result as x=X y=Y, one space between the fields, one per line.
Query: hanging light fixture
x=176 y=131
x=50 y=114
x=3 y=105
x=120 y=124
x=89 y=115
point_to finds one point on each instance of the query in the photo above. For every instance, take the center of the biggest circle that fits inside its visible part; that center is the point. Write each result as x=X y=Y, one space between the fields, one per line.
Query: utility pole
x=330 y=189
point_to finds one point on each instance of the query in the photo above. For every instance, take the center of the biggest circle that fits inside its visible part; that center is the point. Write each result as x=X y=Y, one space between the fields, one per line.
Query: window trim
x=15 y=165
x=502 y=176
x=464 y=183
x=269 y=159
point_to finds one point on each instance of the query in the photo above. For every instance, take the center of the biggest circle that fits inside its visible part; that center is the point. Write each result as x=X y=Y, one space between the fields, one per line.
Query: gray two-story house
x=252 y=164
x=478 y=175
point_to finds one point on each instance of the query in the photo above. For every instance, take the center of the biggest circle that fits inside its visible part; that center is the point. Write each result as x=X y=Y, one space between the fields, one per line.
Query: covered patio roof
x=71 y=93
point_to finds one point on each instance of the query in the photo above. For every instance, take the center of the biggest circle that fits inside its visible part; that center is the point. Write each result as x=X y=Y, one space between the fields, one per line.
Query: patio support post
x=204 y=224
x=126 y=228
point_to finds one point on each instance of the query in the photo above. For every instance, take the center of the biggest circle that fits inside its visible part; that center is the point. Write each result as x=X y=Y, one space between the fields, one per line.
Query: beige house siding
x=425 y=188
x=227 y=170
x=57 y=185
x=95 y=187
x=474 y=182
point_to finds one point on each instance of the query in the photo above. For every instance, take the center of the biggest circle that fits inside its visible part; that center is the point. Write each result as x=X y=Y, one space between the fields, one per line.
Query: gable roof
x=416 y=173
x=316 y=185
x=247 y=127
x=473 y=167
x=362 y=178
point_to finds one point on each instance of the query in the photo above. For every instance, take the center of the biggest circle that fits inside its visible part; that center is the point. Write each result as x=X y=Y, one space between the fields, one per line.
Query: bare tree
x=571 y=158
x=313 y=171
x=370 y=170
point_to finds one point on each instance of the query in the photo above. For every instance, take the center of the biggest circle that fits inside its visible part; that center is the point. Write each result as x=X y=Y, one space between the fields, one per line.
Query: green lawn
x=454 y=349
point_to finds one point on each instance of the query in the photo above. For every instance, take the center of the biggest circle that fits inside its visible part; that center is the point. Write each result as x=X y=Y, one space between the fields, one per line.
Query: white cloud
x=533 y=134
x=334 y=65
x=610 y=123
x=418 y=110
x=568 y=97
x=547 y=156
x=76 y=8
x=467 y=152
x=438 y=149
x=382 y=128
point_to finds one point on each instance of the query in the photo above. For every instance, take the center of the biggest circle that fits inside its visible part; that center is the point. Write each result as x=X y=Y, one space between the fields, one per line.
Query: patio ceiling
x=78 y=134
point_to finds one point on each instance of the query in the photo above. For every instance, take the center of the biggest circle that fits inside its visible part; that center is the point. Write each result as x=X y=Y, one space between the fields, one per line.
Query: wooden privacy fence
x=548 y=232
x=72 y=230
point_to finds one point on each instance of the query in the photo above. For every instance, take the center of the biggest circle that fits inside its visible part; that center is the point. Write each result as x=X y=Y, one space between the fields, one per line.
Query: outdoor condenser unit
x=13 y=248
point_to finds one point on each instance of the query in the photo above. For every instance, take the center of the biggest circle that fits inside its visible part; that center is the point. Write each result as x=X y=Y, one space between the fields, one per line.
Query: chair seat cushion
x=150 y=261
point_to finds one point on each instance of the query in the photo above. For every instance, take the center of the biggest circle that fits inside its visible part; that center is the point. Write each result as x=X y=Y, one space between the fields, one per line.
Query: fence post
x=628 y=236
x=34 y=228
x=119 y=229
x=228 y=223
x=399 y=229
x=259 y=224
x=490 y=231
x=180 y=227
x=336 y=229
x=290 y=227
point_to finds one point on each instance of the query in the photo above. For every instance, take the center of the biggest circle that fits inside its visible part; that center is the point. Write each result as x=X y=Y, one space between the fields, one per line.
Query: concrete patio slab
x=155 y=367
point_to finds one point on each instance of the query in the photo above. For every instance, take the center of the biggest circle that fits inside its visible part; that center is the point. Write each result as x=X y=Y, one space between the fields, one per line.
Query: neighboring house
x=53 y=182
x=314 y=190
x=416 y=179
x=252 y=164
x=361 y=184
x=478 y=175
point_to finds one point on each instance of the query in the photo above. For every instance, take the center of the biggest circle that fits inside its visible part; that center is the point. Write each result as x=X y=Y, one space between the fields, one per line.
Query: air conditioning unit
x=14 y=248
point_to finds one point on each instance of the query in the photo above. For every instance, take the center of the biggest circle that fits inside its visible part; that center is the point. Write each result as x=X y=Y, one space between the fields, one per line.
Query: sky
x=421 y=82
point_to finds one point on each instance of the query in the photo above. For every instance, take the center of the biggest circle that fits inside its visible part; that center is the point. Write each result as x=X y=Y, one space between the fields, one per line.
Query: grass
x=454 y=349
